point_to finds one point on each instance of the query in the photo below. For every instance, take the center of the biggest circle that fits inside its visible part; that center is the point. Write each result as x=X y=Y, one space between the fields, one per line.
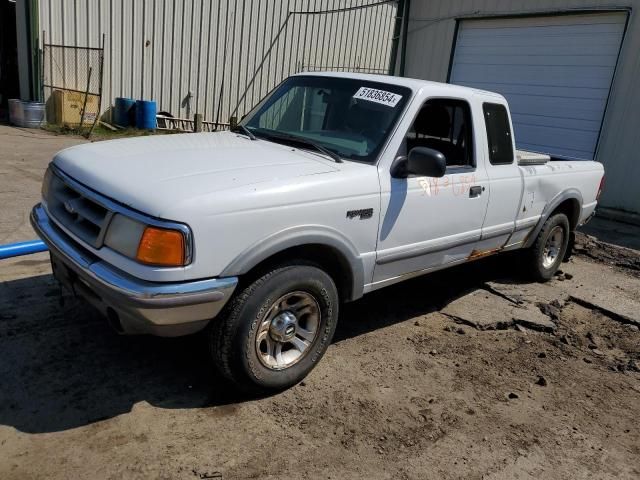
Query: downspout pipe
x=405 y=34
x=395 y=42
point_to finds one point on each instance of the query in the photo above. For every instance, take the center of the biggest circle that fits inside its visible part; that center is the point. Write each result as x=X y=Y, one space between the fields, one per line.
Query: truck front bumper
x=131 y=305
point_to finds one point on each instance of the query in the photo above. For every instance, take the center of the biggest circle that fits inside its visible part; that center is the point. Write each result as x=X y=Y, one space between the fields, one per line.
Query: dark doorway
x=9 y=83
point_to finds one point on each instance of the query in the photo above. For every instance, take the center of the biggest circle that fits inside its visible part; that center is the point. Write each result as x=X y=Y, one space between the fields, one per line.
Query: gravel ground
x=404 y=392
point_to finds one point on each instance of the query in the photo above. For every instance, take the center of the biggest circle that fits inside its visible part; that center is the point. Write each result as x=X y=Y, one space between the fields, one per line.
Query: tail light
x=600 y=188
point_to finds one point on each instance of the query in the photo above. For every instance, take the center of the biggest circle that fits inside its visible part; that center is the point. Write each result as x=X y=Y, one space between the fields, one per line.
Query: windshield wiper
x=239 y=128
x=302 y=141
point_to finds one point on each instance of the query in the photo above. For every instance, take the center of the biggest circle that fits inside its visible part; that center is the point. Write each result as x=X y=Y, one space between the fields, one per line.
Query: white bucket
x=33 y=114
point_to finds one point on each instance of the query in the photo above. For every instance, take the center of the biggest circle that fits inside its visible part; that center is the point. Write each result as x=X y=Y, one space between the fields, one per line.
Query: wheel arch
x=323 y=246
x=568 y=202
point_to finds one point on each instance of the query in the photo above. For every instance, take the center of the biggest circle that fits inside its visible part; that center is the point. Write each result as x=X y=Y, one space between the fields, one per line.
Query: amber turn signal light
x=161 y=247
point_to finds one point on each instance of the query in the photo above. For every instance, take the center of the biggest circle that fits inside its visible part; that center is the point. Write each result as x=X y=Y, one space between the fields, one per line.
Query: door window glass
x=444 y=125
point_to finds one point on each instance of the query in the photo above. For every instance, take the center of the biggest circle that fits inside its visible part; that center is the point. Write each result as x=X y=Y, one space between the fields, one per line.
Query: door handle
x=475 y=191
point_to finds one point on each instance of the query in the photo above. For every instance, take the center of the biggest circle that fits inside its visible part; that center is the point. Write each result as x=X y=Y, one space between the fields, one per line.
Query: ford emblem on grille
x=68 y=206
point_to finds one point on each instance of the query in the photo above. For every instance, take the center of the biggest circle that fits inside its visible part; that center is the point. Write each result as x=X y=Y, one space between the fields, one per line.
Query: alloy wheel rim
x=552 y=247
x=288 y=330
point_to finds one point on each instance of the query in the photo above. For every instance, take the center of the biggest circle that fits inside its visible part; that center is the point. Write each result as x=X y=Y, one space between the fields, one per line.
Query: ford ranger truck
x=335 y=185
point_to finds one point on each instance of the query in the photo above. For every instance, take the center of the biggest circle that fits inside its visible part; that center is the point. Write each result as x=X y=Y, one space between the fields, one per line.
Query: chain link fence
x=72 y=86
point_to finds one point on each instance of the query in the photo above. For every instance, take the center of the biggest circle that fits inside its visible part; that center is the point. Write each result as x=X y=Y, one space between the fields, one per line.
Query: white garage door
x=555 y=71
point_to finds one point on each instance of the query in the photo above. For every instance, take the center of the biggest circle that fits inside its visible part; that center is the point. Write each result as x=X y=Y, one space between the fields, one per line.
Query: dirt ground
x=410 y=388
x=24 y=156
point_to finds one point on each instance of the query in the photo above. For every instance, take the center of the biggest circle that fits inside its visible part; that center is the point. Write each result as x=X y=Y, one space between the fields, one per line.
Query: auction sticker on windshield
x=378 y=96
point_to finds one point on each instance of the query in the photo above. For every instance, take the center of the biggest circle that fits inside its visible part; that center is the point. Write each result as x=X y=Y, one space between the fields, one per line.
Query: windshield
x=349 y=117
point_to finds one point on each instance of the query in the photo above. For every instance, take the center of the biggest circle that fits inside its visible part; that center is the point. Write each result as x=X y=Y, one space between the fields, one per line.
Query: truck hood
x=153 y=174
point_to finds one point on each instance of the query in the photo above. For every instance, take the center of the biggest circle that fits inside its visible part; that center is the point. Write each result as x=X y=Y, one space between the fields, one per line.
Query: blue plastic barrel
x=146 y=114
x=124 y=109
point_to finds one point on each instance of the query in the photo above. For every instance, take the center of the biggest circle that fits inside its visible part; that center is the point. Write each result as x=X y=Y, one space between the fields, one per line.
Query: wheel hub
x=283 y=327
x=288 y=330
x=553 y=247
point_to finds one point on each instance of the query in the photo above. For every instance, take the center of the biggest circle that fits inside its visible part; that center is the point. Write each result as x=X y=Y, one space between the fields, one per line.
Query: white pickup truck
x=335 y=185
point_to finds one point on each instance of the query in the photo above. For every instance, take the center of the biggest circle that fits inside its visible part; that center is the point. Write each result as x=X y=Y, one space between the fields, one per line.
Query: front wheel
x=274 y=332
x=548 y=251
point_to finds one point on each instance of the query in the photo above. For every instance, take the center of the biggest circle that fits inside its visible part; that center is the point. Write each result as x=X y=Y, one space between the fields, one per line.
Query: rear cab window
x=499 y=138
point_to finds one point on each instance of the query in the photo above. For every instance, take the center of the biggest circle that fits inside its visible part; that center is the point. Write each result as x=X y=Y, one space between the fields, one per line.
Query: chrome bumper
x=131 y=305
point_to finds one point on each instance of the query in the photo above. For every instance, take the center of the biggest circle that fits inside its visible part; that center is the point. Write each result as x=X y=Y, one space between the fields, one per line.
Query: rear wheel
x=548 y=251
x=274 y=332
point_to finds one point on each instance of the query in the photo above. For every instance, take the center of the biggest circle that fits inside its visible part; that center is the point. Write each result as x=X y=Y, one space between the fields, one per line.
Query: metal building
x=214 y=57
x=570 y=70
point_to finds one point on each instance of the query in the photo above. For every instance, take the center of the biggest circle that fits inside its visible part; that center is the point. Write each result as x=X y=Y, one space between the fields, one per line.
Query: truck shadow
x=422 y=295
x=62 y=367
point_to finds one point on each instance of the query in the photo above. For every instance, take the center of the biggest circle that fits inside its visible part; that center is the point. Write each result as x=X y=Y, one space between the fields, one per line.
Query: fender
x=569 y=194
x=299 y=236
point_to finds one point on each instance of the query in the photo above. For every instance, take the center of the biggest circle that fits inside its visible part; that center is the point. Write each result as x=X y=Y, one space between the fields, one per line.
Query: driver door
x=428 y=222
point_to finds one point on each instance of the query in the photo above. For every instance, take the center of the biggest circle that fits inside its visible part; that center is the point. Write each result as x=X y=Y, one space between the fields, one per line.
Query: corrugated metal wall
x=433 y=23
x=218 y=57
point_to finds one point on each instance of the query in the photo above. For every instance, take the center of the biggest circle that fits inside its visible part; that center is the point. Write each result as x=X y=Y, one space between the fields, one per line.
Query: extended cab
x=335 y=185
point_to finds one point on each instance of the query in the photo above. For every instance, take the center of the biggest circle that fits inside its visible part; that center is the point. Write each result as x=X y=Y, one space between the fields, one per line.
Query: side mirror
x=421 y=161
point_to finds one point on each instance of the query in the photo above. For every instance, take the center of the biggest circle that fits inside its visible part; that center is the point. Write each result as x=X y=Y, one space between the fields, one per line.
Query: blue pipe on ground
x=22 y=248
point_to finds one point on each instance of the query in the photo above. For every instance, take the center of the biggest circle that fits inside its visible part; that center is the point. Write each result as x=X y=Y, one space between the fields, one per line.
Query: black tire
x=233 y=335
x=535 y=255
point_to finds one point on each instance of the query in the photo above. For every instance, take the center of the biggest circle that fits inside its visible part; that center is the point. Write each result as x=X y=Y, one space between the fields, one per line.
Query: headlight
x=162 y=247
x=123 y=235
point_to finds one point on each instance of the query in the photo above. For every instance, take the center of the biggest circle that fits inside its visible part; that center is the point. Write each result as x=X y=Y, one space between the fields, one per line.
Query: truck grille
x=83 y=216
